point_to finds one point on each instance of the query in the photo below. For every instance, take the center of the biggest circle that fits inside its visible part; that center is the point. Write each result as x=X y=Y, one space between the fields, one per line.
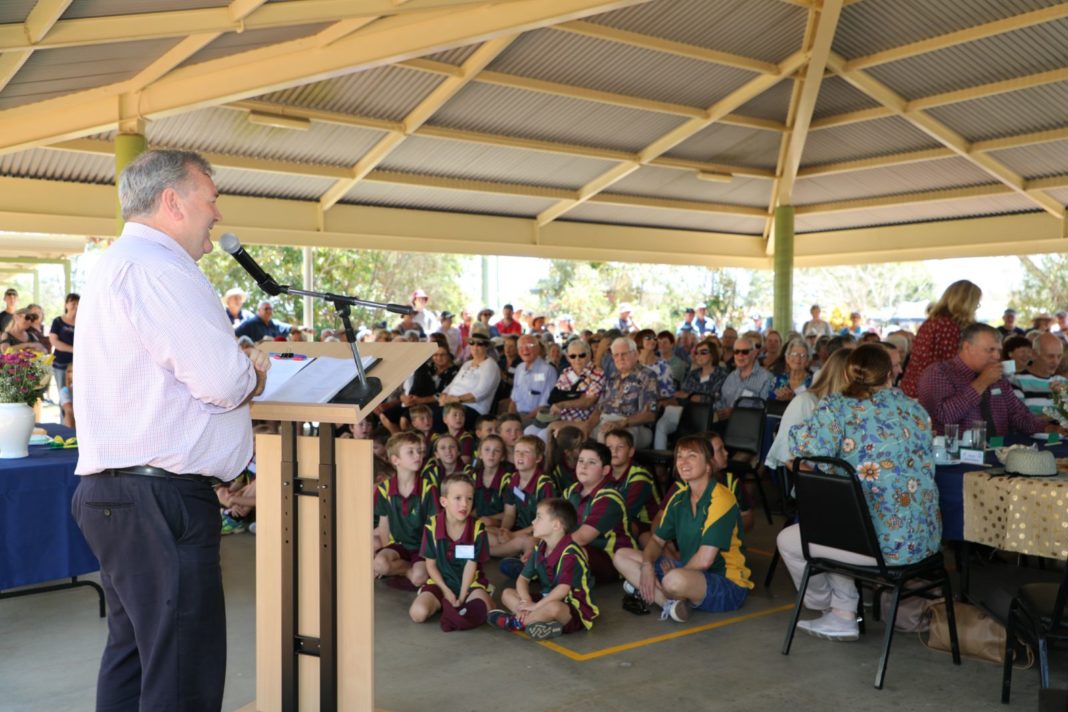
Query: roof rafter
x=674 y=137
x=41 y=19
x=942 y=133
x=951 y=39
x=930 y=196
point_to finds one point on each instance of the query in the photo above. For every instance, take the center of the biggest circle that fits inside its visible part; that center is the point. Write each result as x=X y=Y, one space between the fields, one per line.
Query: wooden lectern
x=314 y=580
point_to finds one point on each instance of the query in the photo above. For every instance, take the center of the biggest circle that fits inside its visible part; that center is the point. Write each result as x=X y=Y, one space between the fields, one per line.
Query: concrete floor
x=50 y=646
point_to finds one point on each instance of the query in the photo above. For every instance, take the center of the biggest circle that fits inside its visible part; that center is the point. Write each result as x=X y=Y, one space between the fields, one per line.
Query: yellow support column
x=128 y=146
x=784 y=268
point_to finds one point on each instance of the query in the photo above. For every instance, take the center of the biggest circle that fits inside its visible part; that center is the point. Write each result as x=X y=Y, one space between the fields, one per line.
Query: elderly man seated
x=533 y=381
x=262 y=326
x=629 y=397
x=971 y=386
x=748 y=379
x=1032 y=385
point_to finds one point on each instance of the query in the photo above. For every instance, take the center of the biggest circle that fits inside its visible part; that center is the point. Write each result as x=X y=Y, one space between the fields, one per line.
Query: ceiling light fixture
x=278 y=121
x=714 y=177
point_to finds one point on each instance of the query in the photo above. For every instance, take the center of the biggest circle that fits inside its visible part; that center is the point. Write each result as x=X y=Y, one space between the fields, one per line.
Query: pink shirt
x=159 y=375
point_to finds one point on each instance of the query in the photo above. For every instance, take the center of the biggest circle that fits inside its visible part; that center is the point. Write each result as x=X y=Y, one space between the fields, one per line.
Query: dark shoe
x=635 y=604
x=504 y=620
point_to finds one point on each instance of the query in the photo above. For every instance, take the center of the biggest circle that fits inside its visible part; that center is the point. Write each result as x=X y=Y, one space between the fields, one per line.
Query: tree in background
x=1044 y=288
x=868 y=289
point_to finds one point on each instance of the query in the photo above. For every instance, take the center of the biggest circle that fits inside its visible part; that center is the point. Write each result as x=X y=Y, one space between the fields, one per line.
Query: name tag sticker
x=995 y=391
x=539 y=378
x=748 y=393
x=519 y=494
x=465 y=551
x=970 y=456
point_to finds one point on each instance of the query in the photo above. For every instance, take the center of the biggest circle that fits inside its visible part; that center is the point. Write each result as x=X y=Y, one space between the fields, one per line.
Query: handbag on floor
x=981 y=637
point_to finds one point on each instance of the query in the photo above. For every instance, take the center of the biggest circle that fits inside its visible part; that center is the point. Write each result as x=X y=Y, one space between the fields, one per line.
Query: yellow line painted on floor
x=583 y=657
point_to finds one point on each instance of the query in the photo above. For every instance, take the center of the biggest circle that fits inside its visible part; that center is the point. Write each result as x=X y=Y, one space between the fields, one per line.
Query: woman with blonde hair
x=939 y=337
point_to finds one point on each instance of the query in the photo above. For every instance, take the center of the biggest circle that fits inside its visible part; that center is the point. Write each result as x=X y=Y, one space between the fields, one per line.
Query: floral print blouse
x=888 y=441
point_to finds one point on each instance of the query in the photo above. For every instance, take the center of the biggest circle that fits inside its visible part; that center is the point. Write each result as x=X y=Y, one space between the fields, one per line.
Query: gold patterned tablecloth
x=1028 y=515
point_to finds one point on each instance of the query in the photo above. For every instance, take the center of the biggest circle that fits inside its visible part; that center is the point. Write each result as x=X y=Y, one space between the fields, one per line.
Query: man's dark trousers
x=157 y=540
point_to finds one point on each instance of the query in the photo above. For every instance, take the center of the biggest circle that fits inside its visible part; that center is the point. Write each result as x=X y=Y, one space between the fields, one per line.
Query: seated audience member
x=261 y=326
x=1008 y=324
x=233 y=301
x=444 y=460
x=727 y=340
x=36 y=329
x=603 y=527
x=971 y=386
x=475 y=383
x=451 y=333
x=562 y=569
x=422 y=425
x=748 y=379
x=453 y=417
x=402 y=506
x=454 y=550
x=649 y=356
x=528 y=486
x=510 y=428
x=17 y=335
x=563 y=450
x=633 y=481
x=677 y=365
x=816 y=326
x=703 y=323
x=426 y=384
x=939 y=337
x=772 y=350
x=532 y=382
x=701 y=384
x=485 y=425
x=886 y=437
x=702 y=516
x=629 y=398
x=1020 y=350
x=492 y=475
x=575 y=393
x=1032 y=385
x=795 y=377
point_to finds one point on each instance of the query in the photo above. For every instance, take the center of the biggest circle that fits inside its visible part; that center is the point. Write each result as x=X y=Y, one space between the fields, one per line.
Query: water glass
x=952 y=432
x=979 y=434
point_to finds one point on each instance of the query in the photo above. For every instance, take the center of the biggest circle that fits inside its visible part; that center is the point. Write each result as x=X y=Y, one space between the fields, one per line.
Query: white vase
x=16 y=427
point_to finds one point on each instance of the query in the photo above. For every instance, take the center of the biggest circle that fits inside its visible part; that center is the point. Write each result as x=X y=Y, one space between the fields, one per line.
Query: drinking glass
x=979 y=434
x=952 y=432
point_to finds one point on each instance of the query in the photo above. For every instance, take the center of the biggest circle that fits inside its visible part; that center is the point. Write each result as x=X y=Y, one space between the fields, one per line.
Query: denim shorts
x=721 y=594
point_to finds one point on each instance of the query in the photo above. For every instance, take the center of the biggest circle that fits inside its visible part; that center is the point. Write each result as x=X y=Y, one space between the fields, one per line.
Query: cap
x=235 y=292
x=1041 y=316
x=1061 y=313
x=688 y=310
x=702 y=305
x=686 y=328
x=447 y=315
x=625 y=308
x=419 y=294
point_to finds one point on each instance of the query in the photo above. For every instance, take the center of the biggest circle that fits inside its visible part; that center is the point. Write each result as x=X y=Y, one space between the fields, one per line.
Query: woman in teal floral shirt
x=886 y=436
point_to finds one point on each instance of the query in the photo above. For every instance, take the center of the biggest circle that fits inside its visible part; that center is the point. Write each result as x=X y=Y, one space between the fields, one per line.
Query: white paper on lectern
x=319 y=381
x=281 y=370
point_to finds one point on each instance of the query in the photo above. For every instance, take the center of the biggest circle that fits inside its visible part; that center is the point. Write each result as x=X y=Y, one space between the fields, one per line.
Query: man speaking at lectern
x=165 y=397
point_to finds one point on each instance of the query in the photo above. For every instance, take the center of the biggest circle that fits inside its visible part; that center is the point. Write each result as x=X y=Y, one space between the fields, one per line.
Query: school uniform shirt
x=636 y=486
x=532 y=385
x=604 y=510
x=563 y=477
x=434 y=471
x=716 y=522
x=451 y=555
x=525 y=499
x=407 y=515
x=465 y=439
x=566 y=564
x=489 y=499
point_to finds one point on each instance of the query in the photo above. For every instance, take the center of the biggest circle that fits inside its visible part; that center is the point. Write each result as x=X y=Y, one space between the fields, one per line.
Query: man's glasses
x=576 y=356
x=743 y=352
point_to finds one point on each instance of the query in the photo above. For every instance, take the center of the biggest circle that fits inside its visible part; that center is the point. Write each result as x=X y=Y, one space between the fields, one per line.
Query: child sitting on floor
x=492 y=476
x=510 y=428
x=564 y=446
x=454 y=549
x=402 y=505
x=602 y=514
x=446 y=460
x=528 y=487
x=453 y=415
x=561 y=567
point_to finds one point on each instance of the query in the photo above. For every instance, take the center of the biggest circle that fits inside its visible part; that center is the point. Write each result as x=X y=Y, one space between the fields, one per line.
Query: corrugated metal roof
x=1014 y=54
x=772 y=104
x=514 y=112
x=876 y=25
x=1060 y=194
x=988 y=205
x=568 y=58
x=837 y=96
x=270 y=185
x=455 y=56
x=58 y=165
x=659 y=217
x=237 y=42
x=14 y=11
x=461 y=159
x=54 y=72
x=658 y=182
x=229 y=131
x=1034 y=109
x=403 y=196
x=891 y=180
x=103 y=8
x=864 y=140
x=731 y=144
x=768 y=30
x=382 y=93
x=1039 y=161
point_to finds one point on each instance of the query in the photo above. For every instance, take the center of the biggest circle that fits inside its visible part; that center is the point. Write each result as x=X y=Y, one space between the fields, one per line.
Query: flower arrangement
x=23 y=376
x=1058 y=393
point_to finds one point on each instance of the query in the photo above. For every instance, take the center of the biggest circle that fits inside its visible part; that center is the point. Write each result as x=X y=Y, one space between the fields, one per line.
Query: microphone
x=231 y=244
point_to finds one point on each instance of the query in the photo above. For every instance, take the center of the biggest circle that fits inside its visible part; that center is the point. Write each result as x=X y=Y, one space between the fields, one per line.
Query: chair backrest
x=745 y=429
x=777 y=407
x=1058 y=620
x=831 y=508
x=696 y=417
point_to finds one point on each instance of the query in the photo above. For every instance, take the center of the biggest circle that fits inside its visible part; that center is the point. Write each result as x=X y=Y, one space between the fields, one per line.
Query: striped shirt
x=604 y=510
x=566 y=564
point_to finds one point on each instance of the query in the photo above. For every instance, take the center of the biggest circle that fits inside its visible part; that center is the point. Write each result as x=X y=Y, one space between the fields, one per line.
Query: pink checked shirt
x=159 y=375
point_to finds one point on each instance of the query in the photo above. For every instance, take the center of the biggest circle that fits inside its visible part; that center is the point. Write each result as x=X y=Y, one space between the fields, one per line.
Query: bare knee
x=382 y=565
x=418 y=613
x=673 y=583
x=418 y=575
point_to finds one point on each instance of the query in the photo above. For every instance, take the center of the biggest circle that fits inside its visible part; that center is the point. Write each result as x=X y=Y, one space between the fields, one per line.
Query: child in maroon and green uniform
x=446 y=460
x=602 y=514
x=492 y=476
x=528 y=486
x=565 y=444
x=485 y=425
x=402 y=505
x=423 y=423
x=634 y=482
x=560 y=566
x=453 y=415
x=454 y=549
x=510 y=428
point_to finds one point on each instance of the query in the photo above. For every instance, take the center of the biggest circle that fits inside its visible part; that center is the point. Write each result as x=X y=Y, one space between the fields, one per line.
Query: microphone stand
x=364 y=388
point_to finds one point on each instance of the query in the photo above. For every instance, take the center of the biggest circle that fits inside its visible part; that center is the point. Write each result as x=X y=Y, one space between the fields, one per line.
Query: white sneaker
x=676 y=610
x=831 y=627
x=252 y=528
x=628 y=588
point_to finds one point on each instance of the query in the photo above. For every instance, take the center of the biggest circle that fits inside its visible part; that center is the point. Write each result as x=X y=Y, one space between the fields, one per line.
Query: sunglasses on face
x=578 y=355
x=743 y=352
x=29 y=317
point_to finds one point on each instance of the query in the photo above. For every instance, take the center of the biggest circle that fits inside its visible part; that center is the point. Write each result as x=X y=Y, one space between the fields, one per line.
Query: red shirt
x=514 y=328
x=937 y=340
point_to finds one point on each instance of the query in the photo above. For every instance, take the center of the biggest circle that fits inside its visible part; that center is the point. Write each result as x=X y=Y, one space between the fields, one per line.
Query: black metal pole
x=328 y=690
x=290 y=570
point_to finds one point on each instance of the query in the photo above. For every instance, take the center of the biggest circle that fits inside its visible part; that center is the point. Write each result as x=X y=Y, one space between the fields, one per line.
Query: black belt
x=149 y=471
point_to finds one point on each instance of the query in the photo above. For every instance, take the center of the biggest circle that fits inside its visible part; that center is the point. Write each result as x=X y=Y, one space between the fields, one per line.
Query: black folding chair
x=789 y=508
x=745 y=435
x=832 y=512
x=1036 y=615
x=696 y=417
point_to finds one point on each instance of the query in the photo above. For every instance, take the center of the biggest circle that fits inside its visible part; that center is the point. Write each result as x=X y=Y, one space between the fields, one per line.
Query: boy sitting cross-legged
x=492 y=477
x=702 y=516
x=602 y=514
x=528 y=486
x=454 y=549
x=402 y=505
x=562 y=569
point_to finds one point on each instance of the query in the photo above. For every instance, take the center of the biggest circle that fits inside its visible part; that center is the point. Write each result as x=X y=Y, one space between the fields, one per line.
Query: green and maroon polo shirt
x=407 y=515
x=525 y=499
x=604 y=510
x=565 y=564
x=452 y=555
x=489 y=498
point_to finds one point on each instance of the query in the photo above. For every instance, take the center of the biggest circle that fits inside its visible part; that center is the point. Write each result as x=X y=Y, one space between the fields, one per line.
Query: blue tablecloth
x=950 y=480
x=39 y=540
